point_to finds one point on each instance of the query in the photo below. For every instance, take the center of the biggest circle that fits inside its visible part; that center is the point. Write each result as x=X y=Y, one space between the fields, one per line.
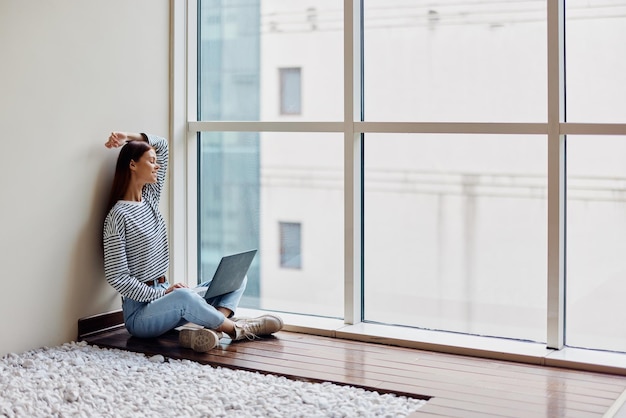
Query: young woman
x=136 y=257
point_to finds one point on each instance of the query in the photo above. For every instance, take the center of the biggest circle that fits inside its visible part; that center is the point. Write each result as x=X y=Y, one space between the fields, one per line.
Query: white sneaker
x=201 y=340
x=252 y=328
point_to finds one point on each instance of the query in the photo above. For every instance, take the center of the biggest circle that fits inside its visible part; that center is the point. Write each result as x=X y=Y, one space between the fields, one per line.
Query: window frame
x=185 y=129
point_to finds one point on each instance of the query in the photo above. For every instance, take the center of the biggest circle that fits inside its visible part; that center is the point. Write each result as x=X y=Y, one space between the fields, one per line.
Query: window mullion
x=556 y=175
x=180 y=164
x=352 y=165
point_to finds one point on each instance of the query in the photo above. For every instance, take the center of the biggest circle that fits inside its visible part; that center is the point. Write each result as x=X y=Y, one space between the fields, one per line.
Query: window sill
x=453 y=343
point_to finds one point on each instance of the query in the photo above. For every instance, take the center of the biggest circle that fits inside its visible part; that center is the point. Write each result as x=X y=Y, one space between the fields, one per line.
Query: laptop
x=230 y=273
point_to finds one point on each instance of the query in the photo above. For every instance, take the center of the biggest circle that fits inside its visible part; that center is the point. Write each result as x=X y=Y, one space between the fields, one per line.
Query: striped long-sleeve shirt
x=135 y=237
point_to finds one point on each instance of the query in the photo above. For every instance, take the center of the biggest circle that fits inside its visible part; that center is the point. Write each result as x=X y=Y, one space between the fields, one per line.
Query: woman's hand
x=116 y=139
x=174 y=287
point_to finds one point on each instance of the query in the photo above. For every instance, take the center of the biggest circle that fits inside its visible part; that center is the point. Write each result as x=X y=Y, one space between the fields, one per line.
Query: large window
x=439 y=166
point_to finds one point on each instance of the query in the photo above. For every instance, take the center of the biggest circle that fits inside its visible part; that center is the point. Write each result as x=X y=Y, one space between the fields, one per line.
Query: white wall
x=71 y=71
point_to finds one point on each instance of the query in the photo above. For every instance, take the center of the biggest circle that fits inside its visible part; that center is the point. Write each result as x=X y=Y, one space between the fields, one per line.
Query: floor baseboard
x=96 y=324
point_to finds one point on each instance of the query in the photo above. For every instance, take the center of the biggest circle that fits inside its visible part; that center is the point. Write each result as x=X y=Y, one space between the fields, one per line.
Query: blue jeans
x=151 y=319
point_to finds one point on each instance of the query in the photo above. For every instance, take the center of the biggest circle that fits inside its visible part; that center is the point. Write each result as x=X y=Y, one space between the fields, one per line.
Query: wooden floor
x=456 y=386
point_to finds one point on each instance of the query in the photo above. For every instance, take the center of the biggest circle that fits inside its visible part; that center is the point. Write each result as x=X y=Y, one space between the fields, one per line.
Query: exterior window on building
x=290 y=91
x=290 y=245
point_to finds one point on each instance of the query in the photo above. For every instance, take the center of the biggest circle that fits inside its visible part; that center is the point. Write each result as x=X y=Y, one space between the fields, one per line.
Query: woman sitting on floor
x=136 y=257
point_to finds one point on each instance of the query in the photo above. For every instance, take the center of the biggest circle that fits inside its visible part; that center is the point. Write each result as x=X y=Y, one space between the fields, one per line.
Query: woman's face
x=146 y=168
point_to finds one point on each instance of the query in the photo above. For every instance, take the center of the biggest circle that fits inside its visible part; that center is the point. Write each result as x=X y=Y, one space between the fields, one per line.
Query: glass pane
x=242 y=45
x=461 y=61
x=455 y=233
x=596 y=238
x=229 y=187
x=596 y=63
x=250 y=186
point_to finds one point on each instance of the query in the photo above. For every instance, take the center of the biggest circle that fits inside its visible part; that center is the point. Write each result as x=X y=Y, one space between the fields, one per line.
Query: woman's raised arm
x=118 y=139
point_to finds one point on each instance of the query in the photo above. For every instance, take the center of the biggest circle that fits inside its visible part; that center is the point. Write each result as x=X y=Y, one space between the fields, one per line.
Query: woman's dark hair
x=132 y=150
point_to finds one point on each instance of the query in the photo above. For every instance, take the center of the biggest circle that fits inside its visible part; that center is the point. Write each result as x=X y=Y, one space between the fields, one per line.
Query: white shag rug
x=80 y=380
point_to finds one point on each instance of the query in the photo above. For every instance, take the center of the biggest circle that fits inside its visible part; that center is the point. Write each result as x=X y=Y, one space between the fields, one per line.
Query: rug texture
x=80 y=380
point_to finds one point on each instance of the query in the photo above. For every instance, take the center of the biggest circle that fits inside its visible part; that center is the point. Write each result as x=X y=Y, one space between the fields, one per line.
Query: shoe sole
x=200 y=340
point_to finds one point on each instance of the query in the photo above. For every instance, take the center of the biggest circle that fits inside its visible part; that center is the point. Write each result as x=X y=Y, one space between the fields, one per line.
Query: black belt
x=154 y=282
